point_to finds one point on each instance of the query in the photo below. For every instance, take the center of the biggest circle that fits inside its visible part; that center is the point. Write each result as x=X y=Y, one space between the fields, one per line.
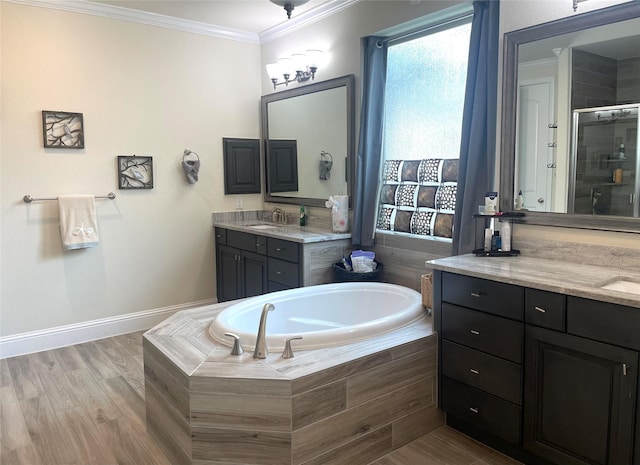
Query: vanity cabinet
x=250 y=264
x=544 y=377
x=241 y=265
x=482 y=336
x=579 y=399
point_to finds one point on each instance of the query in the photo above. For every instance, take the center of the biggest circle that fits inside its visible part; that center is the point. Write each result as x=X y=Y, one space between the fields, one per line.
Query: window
x=424 y=99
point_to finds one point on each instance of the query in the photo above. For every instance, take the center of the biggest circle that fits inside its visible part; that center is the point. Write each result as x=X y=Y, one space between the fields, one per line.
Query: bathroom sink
x=261 y=226
x=623 y=285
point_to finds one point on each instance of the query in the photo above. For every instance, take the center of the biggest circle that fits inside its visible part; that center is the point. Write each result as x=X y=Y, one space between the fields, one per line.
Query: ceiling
x=253 y=16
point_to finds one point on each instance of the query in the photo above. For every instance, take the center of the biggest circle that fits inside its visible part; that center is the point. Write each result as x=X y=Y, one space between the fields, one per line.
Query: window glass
x=424 y=100
x=425 y=95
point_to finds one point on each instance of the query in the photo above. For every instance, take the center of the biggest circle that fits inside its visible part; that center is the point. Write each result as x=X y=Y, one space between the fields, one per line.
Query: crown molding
x=143 y=17
x=304 y=19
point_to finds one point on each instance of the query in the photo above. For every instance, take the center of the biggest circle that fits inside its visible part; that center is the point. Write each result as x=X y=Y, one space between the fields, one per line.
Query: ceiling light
x=289 y=5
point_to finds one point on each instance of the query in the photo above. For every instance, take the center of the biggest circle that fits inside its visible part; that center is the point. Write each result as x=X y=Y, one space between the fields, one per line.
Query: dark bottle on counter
x=496 y=242
x=303 y=216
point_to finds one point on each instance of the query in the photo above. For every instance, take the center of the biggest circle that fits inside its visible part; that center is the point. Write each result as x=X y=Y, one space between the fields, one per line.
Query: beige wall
x=151 y=91
x=143 y=90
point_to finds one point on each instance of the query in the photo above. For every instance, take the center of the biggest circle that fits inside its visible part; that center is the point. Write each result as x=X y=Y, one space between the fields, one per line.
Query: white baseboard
x=60 y=336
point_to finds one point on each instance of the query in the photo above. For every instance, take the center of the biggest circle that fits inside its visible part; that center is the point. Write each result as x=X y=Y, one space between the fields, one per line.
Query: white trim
x=304 y=19
x=60 y=336
x=169 y=22
x=143 y=17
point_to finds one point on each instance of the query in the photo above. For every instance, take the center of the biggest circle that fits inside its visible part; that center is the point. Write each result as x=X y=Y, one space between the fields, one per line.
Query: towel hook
x=188 y=152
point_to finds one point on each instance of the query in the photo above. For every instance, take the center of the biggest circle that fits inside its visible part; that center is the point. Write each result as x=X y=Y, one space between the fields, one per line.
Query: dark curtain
x=369 y=155
x=478 y=144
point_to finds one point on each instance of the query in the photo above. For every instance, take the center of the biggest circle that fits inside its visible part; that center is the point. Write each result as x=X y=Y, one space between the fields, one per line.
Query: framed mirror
x=309 y=141
x=558 y=77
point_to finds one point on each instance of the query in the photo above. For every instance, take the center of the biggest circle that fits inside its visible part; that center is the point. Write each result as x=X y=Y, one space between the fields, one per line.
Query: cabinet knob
x=278 y=249
x=475 y=372
x=473 y=331
x=541 y=310
x=476 y=294
x=474 y=410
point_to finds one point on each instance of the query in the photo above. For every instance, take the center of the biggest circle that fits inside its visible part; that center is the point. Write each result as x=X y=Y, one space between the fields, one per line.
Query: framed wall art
x=135 y=172
x=62 y=130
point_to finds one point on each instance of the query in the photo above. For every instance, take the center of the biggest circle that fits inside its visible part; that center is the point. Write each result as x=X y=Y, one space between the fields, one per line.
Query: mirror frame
x=512 y=40
x=344 y=81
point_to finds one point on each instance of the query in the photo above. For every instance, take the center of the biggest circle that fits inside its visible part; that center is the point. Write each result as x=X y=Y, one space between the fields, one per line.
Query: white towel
x=78 y=225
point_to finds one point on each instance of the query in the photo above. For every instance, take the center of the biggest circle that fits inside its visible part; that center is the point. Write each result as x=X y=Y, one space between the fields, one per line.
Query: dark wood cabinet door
x=228 y=273
x=579 y=399
x=253 y=272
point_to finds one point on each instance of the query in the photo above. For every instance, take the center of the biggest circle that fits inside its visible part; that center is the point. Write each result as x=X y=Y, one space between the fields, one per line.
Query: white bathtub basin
x=325 y=315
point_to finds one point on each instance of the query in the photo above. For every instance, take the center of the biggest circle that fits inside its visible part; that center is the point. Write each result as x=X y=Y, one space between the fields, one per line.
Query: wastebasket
x=342 y=275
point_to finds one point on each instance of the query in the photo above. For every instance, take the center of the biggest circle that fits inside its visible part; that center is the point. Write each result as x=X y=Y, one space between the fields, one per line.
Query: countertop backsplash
x=622 y=258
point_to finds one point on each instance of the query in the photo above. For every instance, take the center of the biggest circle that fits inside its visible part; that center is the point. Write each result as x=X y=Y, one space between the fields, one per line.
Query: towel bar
x=28 y=199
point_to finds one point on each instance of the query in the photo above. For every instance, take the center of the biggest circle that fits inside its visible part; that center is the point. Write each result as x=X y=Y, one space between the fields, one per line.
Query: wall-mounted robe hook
x=191 y=165
x=325 y=165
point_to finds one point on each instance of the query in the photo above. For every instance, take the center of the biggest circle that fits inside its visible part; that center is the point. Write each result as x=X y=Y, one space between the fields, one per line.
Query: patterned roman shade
x=419 y=196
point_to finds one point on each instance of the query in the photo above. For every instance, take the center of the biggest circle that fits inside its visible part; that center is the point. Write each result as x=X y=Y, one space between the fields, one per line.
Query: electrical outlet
x=239 y=204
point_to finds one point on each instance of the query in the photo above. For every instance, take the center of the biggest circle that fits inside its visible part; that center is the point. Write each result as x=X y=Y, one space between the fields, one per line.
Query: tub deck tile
x=386 y=378
x=304 y=378
x=412 y=347
x=417 y=424
x=243 y=411
x=320 y=403
x=179 y=351
x=214 y=445
x=360 y=451
x=256 y=378
x=320 y=437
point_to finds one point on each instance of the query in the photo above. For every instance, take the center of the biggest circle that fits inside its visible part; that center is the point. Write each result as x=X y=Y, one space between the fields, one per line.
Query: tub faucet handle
x=237 y=347
x=288 y=351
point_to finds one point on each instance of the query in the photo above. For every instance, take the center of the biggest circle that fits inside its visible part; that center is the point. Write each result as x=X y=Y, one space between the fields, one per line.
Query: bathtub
x=324 y=315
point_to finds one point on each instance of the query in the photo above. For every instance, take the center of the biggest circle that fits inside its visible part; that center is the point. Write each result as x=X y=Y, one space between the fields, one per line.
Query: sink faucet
x=278 y=215
x=261 y=350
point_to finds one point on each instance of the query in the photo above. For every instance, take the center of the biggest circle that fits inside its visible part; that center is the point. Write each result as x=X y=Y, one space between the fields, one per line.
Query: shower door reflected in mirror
x=605 y=161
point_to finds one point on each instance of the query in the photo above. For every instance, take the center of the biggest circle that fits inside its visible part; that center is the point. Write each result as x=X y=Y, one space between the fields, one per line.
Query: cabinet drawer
x=283 y=272
x=274 y=286
x=546 y=309
x=482 y=410
x=486 y=372
x=284 y=250
x=495 y=335
x=488 y=296
x=246 y=241
x=604 y=322
x=221 y=236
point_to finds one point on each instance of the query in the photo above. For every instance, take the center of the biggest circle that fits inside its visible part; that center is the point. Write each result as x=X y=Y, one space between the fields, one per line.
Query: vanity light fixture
x=289 y=5
x=299 y=67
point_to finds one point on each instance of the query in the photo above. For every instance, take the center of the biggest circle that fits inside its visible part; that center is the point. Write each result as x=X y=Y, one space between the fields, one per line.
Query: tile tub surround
x=343 y=405
x=553 y=275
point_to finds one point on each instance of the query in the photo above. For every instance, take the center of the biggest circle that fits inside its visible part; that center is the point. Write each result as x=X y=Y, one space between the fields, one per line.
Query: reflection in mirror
x=308 y=134
x=555 y=76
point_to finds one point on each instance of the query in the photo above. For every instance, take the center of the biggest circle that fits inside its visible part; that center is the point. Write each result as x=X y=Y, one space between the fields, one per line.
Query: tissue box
x=340 y=275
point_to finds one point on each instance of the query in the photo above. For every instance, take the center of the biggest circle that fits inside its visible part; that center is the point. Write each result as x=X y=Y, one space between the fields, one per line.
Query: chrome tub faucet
x=261 y=350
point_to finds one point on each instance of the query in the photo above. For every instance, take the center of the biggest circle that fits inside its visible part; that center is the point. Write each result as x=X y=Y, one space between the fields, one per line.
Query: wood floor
x=84 y=405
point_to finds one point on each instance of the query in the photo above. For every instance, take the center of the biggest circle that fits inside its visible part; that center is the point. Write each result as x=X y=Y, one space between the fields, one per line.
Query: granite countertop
x=289 y=232
x=549 y=275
